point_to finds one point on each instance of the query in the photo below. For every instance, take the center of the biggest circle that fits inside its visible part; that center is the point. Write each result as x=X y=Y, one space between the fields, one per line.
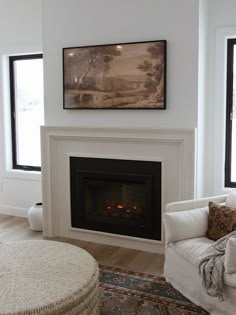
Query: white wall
x=79 y=22
x=221 y=24
x=20 y=32
x=69 y=23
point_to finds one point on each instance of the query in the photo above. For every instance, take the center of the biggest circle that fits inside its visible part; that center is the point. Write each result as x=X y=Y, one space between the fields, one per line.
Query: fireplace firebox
x=116 y=196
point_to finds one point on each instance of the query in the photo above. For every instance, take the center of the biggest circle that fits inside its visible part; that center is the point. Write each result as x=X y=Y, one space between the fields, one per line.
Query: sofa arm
x=194 y=203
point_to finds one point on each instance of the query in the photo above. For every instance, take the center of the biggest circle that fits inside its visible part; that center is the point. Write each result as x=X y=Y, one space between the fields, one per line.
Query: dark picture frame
x=115 y=76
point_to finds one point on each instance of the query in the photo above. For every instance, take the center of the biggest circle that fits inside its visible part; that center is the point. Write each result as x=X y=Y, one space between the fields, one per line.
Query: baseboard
x=14 y=211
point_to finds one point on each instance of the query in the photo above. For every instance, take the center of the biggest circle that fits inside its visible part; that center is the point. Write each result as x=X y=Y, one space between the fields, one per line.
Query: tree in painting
x=94 y=61
x=154 y=70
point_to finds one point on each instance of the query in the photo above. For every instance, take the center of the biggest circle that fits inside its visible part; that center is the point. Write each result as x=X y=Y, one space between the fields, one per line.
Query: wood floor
x=14 y=228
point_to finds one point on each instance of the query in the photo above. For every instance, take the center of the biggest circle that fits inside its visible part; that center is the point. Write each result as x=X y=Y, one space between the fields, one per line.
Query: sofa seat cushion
x=230 y=279
x=192 y=249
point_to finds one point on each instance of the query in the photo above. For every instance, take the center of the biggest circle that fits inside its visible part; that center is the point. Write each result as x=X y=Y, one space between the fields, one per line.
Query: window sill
x=24 y=175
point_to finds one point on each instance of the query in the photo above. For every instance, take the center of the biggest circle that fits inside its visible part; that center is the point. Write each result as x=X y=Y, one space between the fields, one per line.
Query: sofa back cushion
x=221 y=221
x=185 y=224
x=231 y=199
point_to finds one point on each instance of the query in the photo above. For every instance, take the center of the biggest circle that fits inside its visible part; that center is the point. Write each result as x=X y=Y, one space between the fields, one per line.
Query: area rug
x=132 y=293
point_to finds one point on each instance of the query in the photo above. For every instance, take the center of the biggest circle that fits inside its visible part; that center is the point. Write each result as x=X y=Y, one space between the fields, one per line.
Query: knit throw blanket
x=211 y=267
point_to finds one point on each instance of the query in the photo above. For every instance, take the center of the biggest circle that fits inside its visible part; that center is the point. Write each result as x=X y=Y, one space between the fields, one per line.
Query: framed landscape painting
x=116 y=76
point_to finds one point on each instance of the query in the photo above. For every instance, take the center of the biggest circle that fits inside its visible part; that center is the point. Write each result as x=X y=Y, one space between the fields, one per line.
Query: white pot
x=35 y=217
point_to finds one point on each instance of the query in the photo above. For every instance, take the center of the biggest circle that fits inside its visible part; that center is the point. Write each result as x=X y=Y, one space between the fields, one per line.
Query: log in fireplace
x=116 y=196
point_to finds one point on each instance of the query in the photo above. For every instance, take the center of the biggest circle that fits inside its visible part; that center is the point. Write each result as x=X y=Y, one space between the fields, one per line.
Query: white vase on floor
x=35 y=217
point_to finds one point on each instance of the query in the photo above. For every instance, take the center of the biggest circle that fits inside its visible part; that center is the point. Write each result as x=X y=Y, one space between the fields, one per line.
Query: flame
x=127 y=206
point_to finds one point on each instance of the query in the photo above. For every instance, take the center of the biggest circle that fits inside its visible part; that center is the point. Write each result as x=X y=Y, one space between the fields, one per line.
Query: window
x=230 y=153
x=26 y=88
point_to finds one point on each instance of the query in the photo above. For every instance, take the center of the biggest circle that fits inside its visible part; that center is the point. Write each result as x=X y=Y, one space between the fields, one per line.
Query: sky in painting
x=135 y=55
x=122 y=66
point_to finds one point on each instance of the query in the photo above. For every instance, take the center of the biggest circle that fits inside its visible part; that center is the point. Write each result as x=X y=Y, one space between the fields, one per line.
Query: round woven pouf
x=48 y=278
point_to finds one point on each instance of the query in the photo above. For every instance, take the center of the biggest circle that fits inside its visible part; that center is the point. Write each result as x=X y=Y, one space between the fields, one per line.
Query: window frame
x=12 y=60
x=231 y=43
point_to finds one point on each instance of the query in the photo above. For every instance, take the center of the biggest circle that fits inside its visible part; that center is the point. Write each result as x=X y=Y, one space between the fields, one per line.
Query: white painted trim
x=183 y=139
x=118 y=240
x=13 y=211
x=25 y=175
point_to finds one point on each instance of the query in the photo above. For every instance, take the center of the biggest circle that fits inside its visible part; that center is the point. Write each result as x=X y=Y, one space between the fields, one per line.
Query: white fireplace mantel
x=175 y=148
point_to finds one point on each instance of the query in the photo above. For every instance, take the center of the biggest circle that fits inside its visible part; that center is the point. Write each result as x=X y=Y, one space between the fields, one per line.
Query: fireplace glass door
x=115 y=200
x=115 y=197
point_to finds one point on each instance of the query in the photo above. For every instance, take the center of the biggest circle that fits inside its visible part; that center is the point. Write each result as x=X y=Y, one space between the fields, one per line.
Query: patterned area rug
x=131 y=293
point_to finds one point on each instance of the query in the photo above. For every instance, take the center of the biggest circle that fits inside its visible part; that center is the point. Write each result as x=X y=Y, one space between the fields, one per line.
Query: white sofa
x=186 y=225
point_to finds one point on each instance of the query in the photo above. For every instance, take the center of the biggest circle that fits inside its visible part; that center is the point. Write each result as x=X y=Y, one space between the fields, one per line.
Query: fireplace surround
x=174 y=148
x=116 y=196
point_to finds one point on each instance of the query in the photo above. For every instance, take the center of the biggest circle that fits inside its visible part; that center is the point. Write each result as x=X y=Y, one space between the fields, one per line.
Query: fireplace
x=116 y=196
x=174 y=148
